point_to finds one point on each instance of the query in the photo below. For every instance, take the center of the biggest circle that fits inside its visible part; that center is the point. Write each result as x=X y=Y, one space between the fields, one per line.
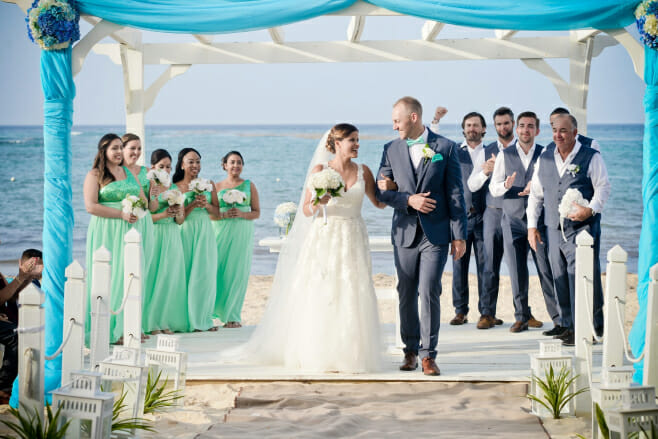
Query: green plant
x=31 y=426
x=603 y=425
x=127 y=425
x=648 y=435
x=556 y=390
x=156 y=399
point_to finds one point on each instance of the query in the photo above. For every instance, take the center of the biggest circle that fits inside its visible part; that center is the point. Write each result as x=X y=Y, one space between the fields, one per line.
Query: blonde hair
x=339 y=132
x=411 y=104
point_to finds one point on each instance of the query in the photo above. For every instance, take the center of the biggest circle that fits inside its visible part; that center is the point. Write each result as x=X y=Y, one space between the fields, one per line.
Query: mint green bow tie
x=412 y=142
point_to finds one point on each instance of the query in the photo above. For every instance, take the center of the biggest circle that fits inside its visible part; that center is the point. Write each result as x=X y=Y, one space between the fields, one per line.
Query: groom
x=422 y=173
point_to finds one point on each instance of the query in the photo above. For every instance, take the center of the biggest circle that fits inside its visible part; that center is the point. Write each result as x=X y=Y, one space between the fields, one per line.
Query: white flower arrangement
x=284 y=215
x=573 y=170
x=160 y=176
x=428 y=153
x=200 y=185
x=566 y=207
x=325 y=182
x=173 y=197
x=234 y=196
x=134 y=205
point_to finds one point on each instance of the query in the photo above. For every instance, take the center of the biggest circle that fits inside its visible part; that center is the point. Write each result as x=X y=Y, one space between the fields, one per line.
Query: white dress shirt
x=416 y=150
x=595 y=145
x=478 y=178
x=477 y=158
x=497 y=184
x=597 y=172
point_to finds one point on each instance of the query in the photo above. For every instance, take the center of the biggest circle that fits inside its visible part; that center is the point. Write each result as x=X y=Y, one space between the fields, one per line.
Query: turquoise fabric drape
x=218 y=16
x=649 y=235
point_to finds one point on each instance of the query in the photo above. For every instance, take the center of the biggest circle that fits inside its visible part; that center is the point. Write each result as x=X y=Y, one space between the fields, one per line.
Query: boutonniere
x=573 y=169
x=428 y=153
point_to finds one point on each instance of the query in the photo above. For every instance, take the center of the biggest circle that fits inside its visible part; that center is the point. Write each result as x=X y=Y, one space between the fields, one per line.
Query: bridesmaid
x=234 y=234
x=105 y=186
x=166 y=284
x=199 y=250
x=132 y=151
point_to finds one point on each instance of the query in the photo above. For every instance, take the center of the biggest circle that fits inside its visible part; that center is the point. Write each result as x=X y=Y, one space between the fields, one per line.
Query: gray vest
x=555 y=187
x=492 y=201
x=515 y=206
x=475 y=201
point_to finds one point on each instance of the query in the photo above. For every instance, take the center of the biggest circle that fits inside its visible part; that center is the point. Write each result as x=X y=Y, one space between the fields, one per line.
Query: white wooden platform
x=465 y=354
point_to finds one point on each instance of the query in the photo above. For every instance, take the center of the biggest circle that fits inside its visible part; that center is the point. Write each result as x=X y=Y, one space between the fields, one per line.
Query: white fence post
x=132 y=281
x=31 y=350
x=583 y=318
x=75 y=307
x=615 y=286
x=650 y=377
x=99 y=342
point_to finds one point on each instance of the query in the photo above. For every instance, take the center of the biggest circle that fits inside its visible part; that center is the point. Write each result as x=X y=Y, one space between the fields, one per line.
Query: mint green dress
x=200 y=254
x=166 y=284
x=235 y=242
x=109 y=232
x=145 y=227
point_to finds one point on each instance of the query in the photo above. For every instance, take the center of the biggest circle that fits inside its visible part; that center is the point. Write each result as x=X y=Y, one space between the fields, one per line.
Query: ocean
x=276 y=158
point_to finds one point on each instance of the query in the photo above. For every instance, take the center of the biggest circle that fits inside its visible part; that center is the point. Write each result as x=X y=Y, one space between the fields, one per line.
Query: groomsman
x=471 y=156
x=511 y=181
x=584 y=140
x=569 y=165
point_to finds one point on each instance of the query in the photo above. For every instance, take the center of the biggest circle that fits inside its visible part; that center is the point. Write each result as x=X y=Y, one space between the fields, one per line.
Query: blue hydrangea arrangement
x=53 y=24
x=646 y=17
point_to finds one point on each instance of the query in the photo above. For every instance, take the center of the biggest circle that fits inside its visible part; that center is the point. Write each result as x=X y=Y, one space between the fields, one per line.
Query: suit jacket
x=440 y=176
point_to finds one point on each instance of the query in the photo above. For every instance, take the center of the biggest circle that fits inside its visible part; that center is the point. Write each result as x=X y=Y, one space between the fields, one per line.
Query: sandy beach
x=368 y=409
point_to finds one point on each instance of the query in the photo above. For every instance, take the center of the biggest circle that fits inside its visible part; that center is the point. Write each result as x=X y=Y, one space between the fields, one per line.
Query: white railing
x=31 y=350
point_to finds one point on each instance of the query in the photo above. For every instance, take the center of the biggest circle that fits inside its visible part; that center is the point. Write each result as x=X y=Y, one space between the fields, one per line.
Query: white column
x=650 y=377
x=31 y=350
x=75 y=310
x=583 y=318
x=133 y=284
x=580 y=61
x=615 y=286
x=132 y=61
x=99 y=341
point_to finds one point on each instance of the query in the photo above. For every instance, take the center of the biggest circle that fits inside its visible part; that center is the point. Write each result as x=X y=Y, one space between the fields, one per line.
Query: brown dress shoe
x=430 y=367
x=410 y=362
x=497 y=321
x=459 y=319
x=485 y=322
x=519 y=326
x=534 y=323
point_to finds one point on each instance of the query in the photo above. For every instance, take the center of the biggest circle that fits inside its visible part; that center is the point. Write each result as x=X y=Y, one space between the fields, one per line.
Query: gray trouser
x=493 y=256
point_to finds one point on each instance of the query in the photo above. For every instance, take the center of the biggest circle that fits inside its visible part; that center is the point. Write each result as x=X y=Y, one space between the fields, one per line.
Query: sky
x=268 y=94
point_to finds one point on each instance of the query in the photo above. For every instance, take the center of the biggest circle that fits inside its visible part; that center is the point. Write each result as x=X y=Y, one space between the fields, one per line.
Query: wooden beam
x=152 y=92
x=632 y=46
x=276 y=33
x=504 y=34
x=355 y=28
x=584 y=34
x=431 y=30
x=127 y=36
x=204 y=39
x=541 y=66
x=363 y=8
x=100 y=30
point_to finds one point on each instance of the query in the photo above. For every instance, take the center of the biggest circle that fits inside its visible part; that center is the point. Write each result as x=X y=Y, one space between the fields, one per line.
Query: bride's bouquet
x=134 y=205
x=284 y=216
x=173 y=197
x=200 y=185
x=160 y=176
x=233 y=197
x=325 y=182
x=566 y=207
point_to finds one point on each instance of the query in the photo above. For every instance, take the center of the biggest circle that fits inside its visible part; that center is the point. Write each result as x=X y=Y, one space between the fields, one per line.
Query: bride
x=322 y=312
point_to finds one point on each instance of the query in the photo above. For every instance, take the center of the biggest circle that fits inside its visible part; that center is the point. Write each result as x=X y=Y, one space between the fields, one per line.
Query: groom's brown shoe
x=430 y=367
x=410 y=362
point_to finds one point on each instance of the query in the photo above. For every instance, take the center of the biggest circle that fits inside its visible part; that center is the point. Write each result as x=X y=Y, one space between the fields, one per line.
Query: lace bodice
x=348 y=205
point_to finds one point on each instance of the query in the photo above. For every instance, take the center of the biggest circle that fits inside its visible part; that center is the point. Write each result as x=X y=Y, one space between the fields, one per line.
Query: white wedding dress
x=322 y=314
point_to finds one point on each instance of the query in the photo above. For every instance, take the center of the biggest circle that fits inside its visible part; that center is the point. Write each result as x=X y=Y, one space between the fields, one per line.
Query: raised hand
x=509 y=181
x=422 y=202
x=488 y=166
x=439 y=113
x=386 y=184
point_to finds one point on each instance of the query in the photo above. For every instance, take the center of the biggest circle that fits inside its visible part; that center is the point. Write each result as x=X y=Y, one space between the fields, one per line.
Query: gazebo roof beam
x=503 y=34
x=431 y=30
x=204 y=39
x=124 y=35
x=363 y=8
x=277 y=35
x=583 y=34
x=355 y=28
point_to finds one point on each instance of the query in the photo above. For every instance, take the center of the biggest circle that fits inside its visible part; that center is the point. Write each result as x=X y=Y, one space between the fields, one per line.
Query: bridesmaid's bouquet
x=173 y=197
x=325 y=182
x=566 y=207
x=284 y=216
x=134 y=205
x=200 y=185
x=160 y=176
x=233 y=197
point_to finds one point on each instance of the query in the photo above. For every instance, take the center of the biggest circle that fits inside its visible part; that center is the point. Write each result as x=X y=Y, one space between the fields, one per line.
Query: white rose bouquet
x=325 y=182
x=160 y=176
x=173 y=197
x=234 y=196
x=566 y=205
x=284 y=215
x=134 y=205
x=200 y=185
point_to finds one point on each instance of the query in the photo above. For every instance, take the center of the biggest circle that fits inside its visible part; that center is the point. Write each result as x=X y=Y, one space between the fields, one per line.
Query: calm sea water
x=276 y=158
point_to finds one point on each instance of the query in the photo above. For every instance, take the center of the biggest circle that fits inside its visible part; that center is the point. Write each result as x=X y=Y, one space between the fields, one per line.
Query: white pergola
x=129 y=51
